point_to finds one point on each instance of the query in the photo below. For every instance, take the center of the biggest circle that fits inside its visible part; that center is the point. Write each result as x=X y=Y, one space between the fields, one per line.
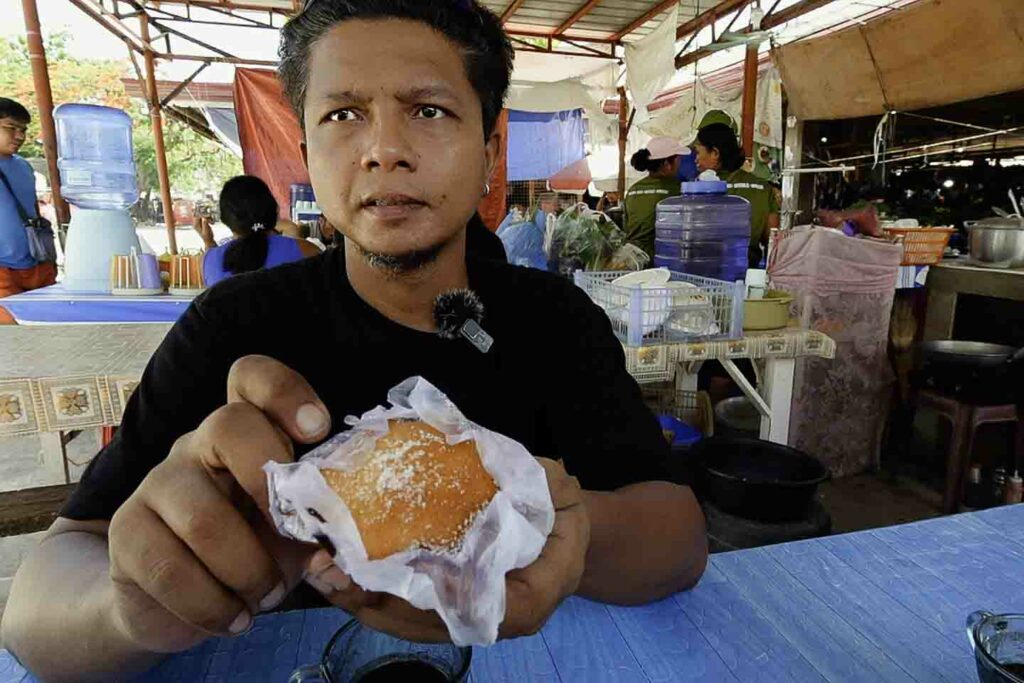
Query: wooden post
x=44 y=101
x=749 y=99
x=158 y=136
x=623 y=134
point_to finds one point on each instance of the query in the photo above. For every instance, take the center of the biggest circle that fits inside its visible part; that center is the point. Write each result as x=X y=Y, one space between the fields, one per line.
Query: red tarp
x=269 y=134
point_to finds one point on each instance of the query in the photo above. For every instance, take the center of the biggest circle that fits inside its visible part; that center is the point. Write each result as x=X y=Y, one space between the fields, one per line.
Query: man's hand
x=531 y=594
x=191 y=551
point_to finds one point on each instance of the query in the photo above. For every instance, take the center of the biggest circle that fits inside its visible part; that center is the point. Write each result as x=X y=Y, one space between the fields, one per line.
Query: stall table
x=54 y=305
x=884 y=605
x=950 y=279
x=778 y=349
x=81 y=376
x=57 y=380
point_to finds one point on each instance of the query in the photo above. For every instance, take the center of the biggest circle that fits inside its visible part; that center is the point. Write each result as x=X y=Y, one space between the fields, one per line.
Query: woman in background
x=249 y=209
x=660 y=160
x=719 y=151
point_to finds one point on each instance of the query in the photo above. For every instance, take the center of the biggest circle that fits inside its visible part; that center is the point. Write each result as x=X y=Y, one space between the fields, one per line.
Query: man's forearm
x=58 y=619
x=647 y=541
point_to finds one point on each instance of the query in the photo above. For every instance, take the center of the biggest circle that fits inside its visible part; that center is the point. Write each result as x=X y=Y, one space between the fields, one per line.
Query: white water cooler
x=97 y=169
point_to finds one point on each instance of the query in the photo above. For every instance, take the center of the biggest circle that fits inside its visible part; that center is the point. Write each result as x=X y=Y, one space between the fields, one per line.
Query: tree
x=195 y=164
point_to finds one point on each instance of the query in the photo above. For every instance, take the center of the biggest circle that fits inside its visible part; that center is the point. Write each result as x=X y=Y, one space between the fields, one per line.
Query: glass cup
x=358 y=654
x=998 y=643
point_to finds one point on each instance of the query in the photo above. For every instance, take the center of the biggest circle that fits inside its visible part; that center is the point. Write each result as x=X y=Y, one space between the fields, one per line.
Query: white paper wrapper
x=466 y=587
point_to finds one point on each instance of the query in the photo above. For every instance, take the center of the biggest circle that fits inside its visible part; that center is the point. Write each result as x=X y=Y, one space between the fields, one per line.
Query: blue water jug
x=94 y=155
x=703 y=232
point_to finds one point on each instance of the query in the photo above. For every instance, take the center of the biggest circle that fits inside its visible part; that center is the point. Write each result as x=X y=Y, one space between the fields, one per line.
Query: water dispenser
x=703 y=232
x=97 y=170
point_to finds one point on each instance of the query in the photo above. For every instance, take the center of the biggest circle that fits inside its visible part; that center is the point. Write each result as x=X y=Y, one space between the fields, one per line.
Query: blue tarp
x=542 y=144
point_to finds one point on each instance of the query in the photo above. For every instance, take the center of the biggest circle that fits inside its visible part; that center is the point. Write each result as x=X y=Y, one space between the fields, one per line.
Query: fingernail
x=320 y=586
x=319 y=562
x=335 y=578
x=311 y=420
x=273 y=598
x=241 y=623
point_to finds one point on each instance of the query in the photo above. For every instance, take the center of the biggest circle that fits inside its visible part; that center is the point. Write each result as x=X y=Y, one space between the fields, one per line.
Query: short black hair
x=10 y=109
x=721 y=137
x=477 y=32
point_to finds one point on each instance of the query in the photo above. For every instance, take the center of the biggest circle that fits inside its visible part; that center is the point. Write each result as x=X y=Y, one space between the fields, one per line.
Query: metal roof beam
x=224 y=4
x=512 y=8
x=710 y=16
x=778 y=18
x=583 y=11
x=643 y=19
x=770 y=21
x=537 y=34
x=108 y=21
x=184 y=84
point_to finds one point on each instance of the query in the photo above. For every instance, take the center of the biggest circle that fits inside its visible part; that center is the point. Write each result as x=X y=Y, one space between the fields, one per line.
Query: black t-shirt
x=555 y=379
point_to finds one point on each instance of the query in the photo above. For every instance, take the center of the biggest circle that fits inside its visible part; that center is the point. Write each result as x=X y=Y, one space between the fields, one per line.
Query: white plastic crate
x=710 y=309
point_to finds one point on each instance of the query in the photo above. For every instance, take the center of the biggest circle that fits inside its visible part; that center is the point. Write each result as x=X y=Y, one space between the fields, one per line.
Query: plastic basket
x=711 y=309
x=692 y=407
x=921 y=246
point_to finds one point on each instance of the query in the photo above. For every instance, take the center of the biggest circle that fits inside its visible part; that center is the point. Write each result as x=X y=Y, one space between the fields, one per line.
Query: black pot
x=756 y=479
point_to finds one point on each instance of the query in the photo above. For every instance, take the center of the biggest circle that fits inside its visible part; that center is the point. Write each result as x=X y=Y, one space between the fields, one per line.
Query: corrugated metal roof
x=607 y=18
x=604 y=18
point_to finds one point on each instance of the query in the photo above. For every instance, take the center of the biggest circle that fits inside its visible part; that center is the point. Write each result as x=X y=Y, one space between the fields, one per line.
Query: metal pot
x=970 y=353
x=997 y=242
x=756 y=479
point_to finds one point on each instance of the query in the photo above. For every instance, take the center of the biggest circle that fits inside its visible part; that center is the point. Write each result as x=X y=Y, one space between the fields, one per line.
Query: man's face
x=12 y=135
x=394 y=136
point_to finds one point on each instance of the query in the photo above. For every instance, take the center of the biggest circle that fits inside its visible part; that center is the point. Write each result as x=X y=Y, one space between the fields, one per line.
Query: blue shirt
x=14 y=251
x=280 y=250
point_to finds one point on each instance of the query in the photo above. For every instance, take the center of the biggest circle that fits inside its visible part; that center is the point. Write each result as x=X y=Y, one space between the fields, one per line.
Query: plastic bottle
x=703 y=232
x=1014 y=489
x=94 y=145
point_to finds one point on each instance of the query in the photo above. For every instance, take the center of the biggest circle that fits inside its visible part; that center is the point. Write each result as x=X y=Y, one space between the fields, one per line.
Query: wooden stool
x=964 y=419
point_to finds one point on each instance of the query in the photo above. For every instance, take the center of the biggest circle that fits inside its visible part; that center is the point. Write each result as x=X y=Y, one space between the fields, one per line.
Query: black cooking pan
x=756 y=479
x=970 y=354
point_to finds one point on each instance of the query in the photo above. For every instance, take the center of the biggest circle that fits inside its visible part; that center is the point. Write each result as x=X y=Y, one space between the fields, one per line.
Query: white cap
x=664 y=147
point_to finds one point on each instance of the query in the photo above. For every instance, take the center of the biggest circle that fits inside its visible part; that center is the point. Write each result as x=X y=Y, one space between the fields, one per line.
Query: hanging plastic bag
x=523 y=238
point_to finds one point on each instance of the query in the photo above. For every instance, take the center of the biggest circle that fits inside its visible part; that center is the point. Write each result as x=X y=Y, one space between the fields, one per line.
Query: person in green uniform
x=718 y=150
x=660 y=160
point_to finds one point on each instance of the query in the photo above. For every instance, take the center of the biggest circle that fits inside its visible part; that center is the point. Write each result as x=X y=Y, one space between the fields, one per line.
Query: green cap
x=717 y=116
x=712 y=117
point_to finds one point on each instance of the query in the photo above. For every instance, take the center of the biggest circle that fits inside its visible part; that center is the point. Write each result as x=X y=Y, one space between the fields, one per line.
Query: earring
x=487 y=189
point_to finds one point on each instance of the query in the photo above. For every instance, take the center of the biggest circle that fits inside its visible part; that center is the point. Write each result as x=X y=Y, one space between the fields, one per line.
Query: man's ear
x=492 y=152
x=303 y=151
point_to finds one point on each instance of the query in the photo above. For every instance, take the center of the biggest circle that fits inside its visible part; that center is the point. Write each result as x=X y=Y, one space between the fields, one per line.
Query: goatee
x=402 y=264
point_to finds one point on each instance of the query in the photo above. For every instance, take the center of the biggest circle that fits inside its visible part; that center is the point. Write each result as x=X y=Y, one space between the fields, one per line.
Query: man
x=19 y=272
x=166 y=542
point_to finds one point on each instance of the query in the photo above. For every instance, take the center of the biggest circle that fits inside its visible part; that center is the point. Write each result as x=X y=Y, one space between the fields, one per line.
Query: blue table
x=55 y=305
x=881 y=605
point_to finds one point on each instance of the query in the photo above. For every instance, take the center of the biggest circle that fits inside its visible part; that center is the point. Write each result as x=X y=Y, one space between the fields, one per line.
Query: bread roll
x=414 y=490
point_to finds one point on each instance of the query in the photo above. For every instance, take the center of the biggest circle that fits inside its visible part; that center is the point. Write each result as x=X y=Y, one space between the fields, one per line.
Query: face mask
x=688 y=167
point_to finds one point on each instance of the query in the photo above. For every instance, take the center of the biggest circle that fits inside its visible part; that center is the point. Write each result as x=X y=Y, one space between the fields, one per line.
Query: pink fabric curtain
x=843 y=287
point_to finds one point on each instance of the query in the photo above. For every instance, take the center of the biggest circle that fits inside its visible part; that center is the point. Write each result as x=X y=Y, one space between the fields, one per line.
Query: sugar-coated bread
x=414 y=490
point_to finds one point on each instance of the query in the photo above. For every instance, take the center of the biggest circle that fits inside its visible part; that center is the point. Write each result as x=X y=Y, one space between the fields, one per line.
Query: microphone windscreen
x=452 y=310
